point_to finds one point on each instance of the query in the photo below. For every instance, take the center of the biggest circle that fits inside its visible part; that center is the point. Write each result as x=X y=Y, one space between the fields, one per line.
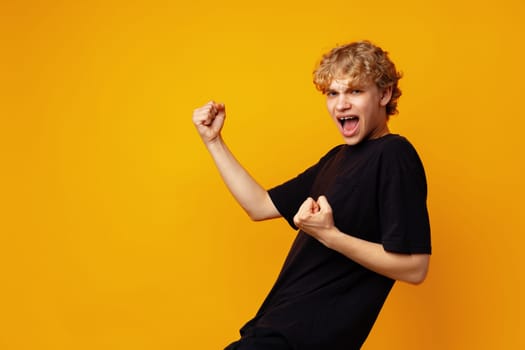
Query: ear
x=386 y=96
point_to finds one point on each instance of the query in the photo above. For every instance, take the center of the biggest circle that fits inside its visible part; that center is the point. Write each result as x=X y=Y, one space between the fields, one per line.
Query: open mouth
x=348 y=123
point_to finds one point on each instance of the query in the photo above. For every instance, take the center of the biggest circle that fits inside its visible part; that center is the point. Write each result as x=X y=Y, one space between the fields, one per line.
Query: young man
x=361 y=212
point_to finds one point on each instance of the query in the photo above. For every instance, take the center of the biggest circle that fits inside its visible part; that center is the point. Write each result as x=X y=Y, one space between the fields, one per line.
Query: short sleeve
x=404 y=220
x=289 y=196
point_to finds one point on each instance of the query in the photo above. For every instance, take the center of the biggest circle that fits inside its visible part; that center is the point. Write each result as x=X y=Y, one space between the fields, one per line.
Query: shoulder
x=399 y=159
x=333 y=152
x=397 y=147
x=396 y=142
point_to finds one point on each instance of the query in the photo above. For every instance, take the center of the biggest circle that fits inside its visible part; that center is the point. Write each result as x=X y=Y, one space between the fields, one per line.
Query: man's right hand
x=209 y=120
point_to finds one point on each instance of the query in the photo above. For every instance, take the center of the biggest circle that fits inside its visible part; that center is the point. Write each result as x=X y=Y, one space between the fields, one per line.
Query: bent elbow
x=253 y=213
x=418 y=276
x=258 y=215
x=255 y=217
x=262 y=213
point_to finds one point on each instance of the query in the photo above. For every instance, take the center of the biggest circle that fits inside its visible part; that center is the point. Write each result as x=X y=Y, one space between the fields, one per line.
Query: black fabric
x=260 y=339
x=322 y=299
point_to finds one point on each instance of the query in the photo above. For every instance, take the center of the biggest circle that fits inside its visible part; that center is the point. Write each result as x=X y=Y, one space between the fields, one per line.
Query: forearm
x=411 y=268
x=252 y=197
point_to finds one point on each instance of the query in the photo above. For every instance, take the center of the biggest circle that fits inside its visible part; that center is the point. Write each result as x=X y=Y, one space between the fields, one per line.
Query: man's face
x=359 y=111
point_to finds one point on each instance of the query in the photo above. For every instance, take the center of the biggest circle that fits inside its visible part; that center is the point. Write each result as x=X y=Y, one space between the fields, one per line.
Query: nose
x=342 y=103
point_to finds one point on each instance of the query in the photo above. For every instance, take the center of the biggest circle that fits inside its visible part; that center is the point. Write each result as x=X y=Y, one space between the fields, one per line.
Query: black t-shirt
x=377 y=191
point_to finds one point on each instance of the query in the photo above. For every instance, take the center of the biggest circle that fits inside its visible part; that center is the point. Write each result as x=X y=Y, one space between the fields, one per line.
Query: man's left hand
x=316 y=218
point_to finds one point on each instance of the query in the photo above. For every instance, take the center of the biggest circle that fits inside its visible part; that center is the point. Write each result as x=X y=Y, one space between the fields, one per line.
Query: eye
x=356 y=91
x=331 y=93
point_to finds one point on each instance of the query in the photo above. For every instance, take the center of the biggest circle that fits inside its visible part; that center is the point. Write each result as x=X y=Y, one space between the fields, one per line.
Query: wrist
x=332 y=237
x=214 y=143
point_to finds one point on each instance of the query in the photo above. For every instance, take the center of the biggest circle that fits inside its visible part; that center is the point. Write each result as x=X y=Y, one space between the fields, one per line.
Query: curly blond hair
x=360 y=61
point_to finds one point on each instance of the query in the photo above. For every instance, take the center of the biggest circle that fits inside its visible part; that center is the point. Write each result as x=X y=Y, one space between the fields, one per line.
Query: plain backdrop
x=116 y=231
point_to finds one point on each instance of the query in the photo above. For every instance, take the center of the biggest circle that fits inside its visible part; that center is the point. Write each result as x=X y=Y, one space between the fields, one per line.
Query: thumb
x=314 y=207
x=219 y=106
x=221 y=111
x=311 y=205
x=323 y=203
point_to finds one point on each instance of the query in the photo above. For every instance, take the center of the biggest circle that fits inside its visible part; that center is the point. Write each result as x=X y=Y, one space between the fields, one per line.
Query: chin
x=352 y=140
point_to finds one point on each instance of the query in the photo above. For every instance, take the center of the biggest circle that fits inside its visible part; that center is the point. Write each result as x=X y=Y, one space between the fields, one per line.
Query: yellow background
x=115 y=229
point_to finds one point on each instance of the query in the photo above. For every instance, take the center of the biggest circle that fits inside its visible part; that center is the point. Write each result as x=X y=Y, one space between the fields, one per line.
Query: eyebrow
x=350 y=86
x=356 y=85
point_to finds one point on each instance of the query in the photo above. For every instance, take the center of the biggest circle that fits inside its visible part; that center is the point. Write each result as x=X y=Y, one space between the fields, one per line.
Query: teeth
x=343 y=119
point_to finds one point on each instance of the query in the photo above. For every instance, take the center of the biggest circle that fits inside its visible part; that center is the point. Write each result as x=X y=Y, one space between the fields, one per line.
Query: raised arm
x=253 y=198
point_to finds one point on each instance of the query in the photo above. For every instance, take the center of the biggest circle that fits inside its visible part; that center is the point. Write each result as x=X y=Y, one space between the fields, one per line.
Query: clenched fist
x=209 y=120
x=316 y=218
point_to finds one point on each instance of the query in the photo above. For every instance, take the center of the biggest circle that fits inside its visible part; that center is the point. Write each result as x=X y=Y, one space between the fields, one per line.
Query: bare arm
x=316 y=219
x=252 y=197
